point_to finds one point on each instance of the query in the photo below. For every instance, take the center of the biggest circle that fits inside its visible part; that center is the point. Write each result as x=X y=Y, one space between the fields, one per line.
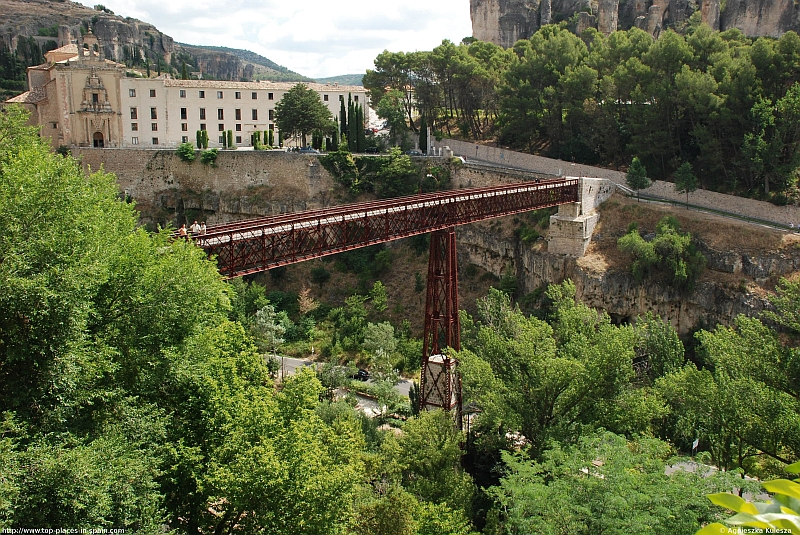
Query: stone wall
x=242 y=184
x=781 y=215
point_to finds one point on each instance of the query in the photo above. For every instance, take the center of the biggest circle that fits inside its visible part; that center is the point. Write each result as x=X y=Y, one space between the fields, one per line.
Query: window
x=54 y=125
x=220 y=114
x=154 y=127
x=155 y=141
x=131 y=92
x=183 y=93
x=272 y=127
x=221 y=127
x=95 y=98
x=355 y=99
x=238 y=140
x=269 y=96
x=134 y=127
x=221 y=140
x=184 y=139
x=271 y=115
x=325 y=98
x=202 y=114
x=184 y=127
x=202 y=126
x=254 y=95
x=202 y=94
x=238 y=127
x=219 y=94
x=255 y=115
x=153 y=113
x=134 y=141
x=183 y=114
x=238 y=115
x=237 y=95
x=152 y=93
x=134 y=114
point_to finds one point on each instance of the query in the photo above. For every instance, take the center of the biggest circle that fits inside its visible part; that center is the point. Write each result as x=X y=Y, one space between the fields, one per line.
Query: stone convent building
x=79 y=98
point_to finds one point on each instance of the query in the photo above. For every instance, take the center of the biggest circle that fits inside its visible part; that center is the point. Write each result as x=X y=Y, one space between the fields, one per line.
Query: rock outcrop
x=505 y=21
x=618 y=293
x=125 y=40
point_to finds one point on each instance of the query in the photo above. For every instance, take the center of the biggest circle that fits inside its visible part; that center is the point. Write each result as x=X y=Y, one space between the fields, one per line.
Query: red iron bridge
x=255 y=245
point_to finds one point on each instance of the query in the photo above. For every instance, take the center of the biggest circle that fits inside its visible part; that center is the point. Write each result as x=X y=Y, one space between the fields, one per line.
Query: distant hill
x=343 y=79
x=264 y=68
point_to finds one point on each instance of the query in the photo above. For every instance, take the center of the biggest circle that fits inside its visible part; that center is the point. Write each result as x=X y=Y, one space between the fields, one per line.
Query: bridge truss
x=246 y=247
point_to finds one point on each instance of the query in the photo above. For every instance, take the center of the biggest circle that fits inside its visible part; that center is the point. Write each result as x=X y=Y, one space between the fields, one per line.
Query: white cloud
x=317 y=38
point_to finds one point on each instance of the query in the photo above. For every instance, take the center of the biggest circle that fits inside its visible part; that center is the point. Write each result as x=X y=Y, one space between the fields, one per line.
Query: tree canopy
x=301 y=112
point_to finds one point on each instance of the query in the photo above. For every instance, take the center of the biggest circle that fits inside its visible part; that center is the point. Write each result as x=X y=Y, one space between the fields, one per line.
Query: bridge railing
x=260 y=244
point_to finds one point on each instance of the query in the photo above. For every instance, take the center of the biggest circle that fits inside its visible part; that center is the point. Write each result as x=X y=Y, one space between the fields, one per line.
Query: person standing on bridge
x=182 y=231
x=203 y=228
x=195 y=229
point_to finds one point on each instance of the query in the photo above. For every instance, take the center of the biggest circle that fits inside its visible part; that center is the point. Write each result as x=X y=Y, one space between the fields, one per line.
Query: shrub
x=186 y=152
x=671 y=254
x=209 y=156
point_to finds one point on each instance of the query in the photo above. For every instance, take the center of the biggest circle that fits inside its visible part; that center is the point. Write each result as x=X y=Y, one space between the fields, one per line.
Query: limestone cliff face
x=761 y=17
x=505 y=21
x=123 y=38
x=617 y=292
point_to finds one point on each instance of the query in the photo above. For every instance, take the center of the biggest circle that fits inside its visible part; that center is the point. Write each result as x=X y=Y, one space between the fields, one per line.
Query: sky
x=315 y=38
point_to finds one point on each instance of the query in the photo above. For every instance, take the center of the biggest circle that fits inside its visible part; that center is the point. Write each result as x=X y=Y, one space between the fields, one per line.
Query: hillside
x=30 y=28
x=262 y=68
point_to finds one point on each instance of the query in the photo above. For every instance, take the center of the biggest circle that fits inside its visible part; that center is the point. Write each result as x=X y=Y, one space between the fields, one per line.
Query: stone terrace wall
x=242 y=184
x=782 y=215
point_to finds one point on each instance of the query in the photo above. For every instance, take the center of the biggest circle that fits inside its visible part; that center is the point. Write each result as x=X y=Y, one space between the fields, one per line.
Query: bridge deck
x=259 y=244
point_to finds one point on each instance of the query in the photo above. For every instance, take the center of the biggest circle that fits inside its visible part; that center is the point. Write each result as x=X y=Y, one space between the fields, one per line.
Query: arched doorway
x=98 y=140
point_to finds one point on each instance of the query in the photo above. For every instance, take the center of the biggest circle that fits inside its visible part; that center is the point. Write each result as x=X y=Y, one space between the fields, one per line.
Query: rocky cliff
x=618 y=293
x=127 y=40
x=505 y=21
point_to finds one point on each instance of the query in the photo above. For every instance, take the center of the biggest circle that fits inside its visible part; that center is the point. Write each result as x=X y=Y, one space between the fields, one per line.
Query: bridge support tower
x=440 y=384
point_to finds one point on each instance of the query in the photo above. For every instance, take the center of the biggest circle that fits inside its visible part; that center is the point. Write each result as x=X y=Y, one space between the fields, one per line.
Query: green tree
x=544 y=382
x=301 y=112
x=750 y=379
x=185 y=152
x=230 y=139
x=423 y=134
x=685 y=180
x=671 y=255
x=398 y=177
x=636 y=177
x=605 y=484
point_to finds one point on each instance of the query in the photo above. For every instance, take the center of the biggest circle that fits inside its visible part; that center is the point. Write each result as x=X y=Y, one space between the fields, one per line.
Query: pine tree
x=637 y=176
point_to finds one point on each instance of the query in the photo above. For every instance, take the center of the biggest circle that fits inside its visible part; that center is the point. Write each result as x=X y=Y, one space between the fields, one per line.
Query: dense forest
x=137 y=393
x=726 y=104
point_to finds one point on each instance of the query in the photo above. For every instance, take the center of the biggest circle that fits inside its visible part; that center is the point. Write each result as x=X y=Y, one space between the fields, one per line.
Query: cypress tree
x=205 y=139
x=342 y=116
x=352 y=133
x=184 y=72
x=360 y=133
x=230 y=139
x=224 y=141
x=199 y=139
x=423 y=135
x=271 y=138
